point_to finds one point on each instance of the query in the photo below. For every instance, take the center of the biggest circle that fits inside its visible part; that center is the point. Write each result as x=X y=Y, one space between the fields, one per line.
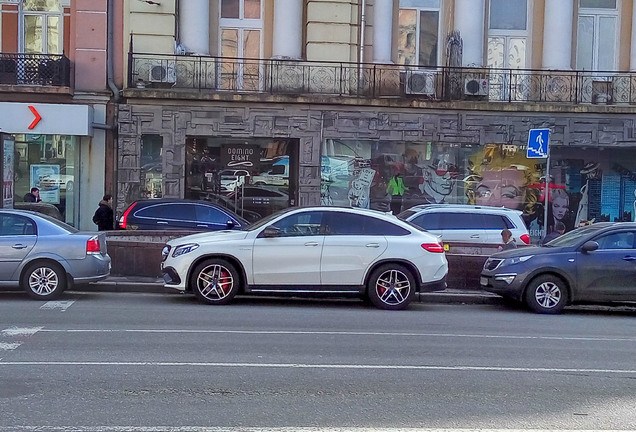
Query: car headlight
x=165 y=252
x=184 y=249
x=516 y=260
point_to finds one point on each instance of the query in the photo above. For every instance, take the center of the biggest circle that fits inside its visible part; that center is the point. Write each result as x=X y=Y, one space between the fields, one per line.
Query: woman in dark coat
x=103 y=216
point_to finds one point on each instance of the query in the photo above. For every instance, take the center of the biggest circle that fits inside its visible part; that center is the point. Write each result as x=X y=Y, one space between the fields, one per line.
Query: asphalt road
x=141 y=362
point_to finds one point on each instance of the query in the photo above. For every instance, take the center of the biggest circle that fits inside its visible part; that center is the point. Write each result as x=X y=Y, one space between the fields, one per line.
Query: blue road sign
x=538 y=142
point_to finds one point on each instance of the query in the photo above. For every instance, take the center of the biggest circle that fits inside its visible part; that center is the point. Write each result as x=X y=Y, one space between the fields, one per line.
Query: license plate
x=483 y=281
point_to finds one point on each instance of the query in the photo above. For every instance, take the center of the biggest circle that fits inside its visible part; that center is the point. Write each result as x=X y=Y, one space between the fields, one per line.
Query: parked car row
x=332 y=250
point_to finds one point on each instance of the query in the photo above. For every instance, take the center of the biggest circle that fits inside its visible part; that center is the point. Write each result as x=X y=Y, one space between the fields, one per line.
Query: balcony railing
x=35 y=69
x=299 y=77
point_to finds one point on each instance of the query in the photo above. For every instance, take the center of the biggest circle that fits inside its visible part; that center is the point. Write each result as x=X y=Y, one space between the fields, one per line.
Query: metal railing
x=300 y=77
x=35 y=69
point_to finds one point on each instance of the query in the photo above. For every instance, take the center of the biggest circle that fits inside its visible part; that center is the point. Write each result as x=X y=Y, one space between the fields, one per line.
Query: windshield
x=573 y=237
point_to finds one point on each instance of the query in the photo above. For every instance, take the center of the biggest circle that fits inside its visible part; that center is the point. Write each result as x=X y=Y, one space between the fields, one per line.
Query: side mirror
x=230 y=224
x=271 y=231
x=589 y=246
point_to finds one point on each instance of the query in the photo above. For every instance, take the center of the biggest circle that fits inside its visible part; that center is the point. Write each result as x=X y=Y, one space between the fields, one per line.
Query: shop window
x=253 y=177
x=358 y=173
x=152 y=165
x=48 y=163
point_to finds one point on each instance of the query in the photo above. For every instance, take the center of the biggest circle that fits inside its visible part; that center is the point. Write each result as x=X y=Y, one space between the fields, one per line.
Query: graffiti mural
x=585 y=185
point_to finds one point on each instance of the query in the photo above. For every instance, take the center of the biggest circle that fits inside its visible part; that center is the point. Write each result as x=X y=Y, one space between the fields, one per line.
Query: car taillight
x=92 y=245
x=434 y=247
x=123 y=220
x=525 y=238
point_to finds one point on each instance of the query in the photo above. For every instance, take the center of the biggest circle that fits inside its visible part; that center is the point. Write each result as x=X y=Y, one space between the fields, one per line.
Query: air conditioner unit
x=163 y=72
x=476 y=87
x=419 y=82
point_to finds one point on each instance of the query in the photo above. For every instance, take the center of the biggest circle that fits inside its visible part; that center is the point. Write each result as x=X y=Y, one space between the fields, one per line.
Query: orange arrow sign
x=37 y=117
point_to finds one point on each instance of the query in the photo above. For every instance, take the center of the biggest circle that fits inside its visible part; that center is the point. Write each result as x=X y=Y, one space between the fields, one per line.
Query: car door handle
x=474 y=236
x=629 y=258
x=162 y=223
x=19 y=246
x=373 y=245
x=311 y=244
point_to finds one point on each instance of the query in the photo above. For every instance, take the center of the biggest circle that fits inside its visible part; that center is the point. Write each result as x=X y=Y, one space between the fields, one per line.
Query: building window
x=419 y=33
x=241 y=29
x=597 y=38
x=508 y=33
x=41 y=24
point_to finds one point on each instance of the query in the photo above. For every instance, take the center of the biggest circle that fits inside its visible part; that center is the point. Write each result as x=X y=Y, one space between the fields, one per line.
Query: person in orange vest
x=396 y=189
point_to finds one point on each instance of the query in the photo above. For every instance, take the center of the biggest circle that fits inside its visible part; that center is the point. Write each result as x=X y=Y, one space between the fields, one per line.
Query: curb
x=449 y=296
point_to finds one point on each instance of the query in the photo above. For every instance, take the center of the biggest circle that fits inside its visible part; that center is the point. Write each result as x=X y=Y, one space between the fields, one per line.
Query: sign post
x=539 y=148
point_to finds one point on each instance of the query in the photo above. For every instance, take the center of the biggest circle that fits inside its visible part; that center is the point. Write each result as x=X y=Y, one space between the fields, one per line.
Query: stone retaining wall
x=138 y=253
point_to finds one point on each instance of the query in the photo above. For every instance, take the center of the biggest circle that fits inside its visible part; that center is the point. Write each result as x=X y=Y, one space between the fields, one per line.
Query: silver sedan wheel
x=215 y=283
x=43 y=281
x=548 y=295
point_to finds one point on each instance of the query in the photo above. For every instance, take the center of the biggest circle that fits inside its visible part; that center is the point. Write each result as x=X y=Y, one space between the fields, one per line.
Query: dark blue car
x=178 y=214
x=593 y=264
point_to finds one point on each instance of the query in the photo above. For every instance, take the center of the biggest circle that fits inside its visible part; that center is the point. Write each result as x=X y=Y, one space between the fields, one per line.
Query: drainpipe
x=110 y=70
x=363 y=24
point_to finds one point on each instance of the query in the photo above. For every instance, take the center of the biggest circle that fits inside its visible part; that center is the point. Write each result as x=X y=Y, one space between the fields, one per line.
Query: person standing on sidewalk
x=396 y=189
x=508 y=240
x=104 y=217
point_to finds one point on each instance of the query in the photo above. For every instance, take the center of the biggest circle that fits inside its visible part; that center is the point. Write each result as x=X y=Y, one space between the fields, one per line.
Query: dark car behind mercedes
x=593 y=264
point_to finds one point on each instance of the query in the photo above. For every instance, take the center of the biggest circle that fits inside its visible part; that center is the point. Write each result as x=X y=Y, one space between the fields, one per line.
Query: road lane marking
x=274 y=429
x=59 y=304
x=20 y=333
x=340 y=333
x=323 y=366
x=9 y=346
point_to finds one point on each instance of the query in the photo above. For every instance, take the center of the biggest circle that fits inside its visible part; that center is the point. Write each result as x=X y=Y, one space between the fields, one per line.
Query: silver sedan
x=44 y=256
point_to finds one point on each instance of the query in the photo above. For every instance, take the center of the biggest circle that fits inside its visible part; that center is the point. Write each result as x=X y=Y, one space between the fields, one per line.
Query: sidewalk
x=141 y=284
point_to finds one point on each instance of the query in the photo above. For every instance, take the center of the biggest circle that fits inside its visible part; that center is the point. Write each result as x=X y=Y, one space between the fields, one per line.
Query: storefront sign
x=46 y=119
x=240 y=156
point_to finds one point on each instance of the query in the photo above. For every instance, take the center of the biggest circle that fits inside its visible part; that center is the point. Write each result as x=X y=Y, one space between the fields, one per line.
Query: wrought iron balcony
x=299 y=77
x=35 y=69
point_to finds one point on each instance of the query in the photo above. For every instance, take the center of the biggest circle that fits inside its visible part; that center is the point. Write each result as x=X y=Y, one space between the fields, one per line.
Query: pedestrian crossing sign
x=538 y=141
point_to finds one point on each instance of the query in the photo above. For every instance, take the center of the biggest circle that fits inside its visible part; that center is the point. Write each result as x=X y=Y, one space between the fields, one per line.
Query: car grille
x=492 y=263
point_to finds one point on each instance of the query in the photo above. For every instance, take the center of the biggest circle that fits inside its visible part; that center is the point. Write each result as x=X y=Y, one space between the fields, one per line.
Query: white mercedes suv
x=310 y=250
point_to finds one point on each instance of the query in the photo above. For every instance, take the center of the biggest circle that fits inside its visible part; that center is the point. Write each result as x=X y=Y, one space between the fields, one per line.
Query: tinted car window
x=354 y=224
x=497 y=222
x=619 y=240
x=157 y=211
x=300 y=224
x=428 y=221
x=456 y=221
x=13 y=225
x=211 y=215
x=176 y=211
x=373 y=226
